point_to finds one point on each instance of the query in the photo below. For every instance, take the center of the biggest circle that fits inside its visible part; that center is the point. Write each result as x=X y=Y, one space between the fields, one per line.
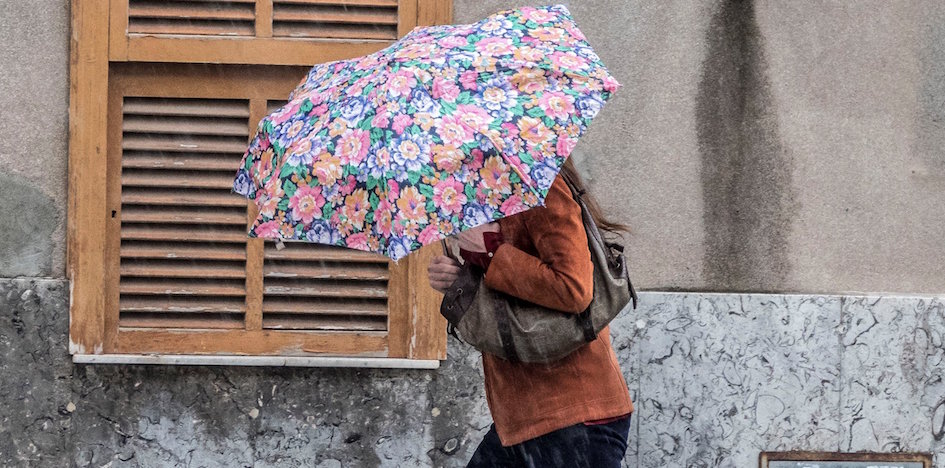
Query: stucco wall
x=34 y=108
x=771 y=146
x=755 y=146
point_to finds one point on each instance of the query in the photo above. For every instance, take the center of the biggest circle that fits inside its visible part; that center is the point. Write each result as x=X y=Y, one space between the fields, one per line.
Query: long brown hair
x=569 y=171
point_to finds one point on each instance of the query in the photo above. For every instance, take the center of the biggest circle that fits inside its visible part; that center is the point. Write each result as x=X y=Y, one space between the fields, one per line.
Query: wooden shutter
x=273 y=32
x=182 y=233
x=158 y=254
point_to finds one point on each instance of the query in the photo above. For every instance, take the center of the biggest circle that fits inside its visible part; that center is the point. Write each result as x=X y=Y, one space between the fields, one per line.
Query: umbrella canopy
x=449 y=128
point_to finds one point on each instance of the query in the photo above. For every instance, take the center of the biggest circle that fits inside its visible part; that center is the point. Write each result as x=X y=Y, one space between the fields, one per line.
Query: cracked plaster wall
x=836 y=373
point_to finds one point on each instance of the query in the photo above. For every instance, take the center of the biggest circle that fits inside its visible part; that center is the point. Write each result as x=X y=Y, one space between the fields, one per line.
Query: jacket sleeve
x=561 y=276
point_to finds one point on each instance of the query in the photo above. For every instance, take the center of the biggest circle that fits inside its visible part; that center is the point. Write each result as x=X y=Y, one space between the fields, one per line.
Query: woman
x=574 y=412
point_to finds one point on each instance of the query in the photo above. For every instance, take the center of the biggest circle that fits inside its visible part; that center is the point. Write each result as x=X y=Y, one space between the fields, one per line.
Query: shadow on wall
x=746 y=173
x=29 y=219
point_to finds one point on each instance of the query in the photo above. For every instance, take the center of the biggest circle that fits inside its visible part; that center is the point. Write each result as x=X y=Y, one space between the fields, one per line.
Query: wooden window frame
x=416 y=334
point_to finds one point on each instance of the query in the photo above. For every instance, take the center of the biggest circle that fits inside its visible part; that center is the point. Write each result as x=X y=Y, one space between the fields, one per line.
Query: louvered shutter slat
x=190 y=143
x=348 y=20
x=183 y=215
x=217 y=108
x=182 y=250
x=279 y=287
x=164 y=124
x=181 y=179
x=147 y=160
x=154 y=196
x=339 y=15
x=370 y=3
x=150 y=304
x=341 y=306
x=178 y=233
x=189 y=268
x=326 y=254
x=165 y=288
x=183 y=239
x=190 y=17
x=320 y=270
x=345 y=323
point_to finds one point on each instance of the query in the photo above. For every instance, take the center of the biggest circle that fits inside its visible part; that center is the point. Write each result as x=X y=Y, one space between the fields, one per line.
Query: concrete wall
x=769 y=145
x=34 y=109
x=755 y=147
x=803 y=372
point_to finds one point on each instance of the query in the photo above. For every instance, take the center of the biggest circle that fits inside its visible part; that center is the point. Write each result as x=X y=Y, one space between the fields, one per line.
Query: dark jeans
x=595 y=446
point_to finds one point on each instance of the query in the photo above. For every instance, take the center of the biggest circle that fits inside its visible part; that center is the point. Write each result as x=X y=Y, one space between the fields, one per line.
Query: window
x=165 y=96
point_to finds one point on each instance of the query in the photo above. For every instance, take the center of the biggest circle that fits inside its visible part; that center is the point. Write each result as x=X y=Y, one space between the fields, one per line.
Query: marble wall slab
x=723 y=377
x=719 y=378
x=892 y=392
x=716 y=379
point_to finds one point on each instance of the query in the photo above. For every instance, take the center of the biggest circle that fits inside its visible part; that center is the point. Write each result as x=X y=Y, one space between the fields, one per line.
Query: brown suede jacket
x=545 y=260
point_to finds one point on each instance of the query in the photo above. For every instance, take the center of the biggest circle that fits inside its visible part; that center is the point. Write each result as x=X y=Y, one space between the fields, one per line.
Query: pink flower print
x=382 y=118
x=268 y=199
x=565 y=145
x=468 y=79
x=448 y=196
x=306 y=203
x=401 y=122
x=352 y=146
x=557 y=105
x=548 y=34
x=452 y=41
x=382 y=218
x=357 y=241
x=538 y=15
x=429 y=235
x=510 y=129
x=393 y=190
x=611 y=84
x=267 y=230
x=513 y=205
x=495 y=46
x=568 y=61
x=453 y=132
x=401 y=83
x=474 y=117
x=445 y=89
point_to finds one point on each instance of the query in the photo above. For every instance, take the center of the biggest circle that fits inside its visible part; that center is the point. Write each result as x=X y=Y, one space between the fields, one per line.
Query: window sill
x=269 y=361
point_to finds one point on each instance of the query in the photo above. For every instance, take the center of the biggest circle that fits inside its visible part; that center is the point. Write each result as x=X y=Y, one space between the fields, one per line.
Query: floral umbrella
x=449 y=128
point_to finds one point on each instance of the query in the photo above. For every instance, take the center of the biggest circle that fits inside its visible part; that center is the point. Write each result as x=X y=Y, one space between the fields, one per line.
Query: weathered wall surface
x=771 y=146
x=756 y=146
x=837 y=373
x=34 y=108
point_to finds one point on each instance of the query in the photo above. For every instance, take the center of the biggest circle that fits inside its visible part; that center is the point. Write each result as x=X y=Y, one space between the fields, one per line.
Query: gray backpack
x=517 y=330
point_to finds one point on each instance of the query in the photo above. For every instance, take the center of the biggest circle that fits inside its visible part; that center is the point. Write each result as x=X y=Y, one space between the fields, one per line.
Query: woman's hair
x=569 y=171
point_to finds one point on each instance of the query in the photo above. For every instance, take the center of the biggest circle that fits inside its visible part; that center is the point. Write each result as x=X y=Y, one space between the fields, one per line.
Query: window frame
x=416 y=334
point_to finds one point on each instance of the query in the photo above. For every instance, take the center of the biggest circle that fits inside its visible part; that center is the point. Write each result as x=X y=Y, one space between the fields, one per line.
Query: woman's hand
x=443 y=272
x=471 y=240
